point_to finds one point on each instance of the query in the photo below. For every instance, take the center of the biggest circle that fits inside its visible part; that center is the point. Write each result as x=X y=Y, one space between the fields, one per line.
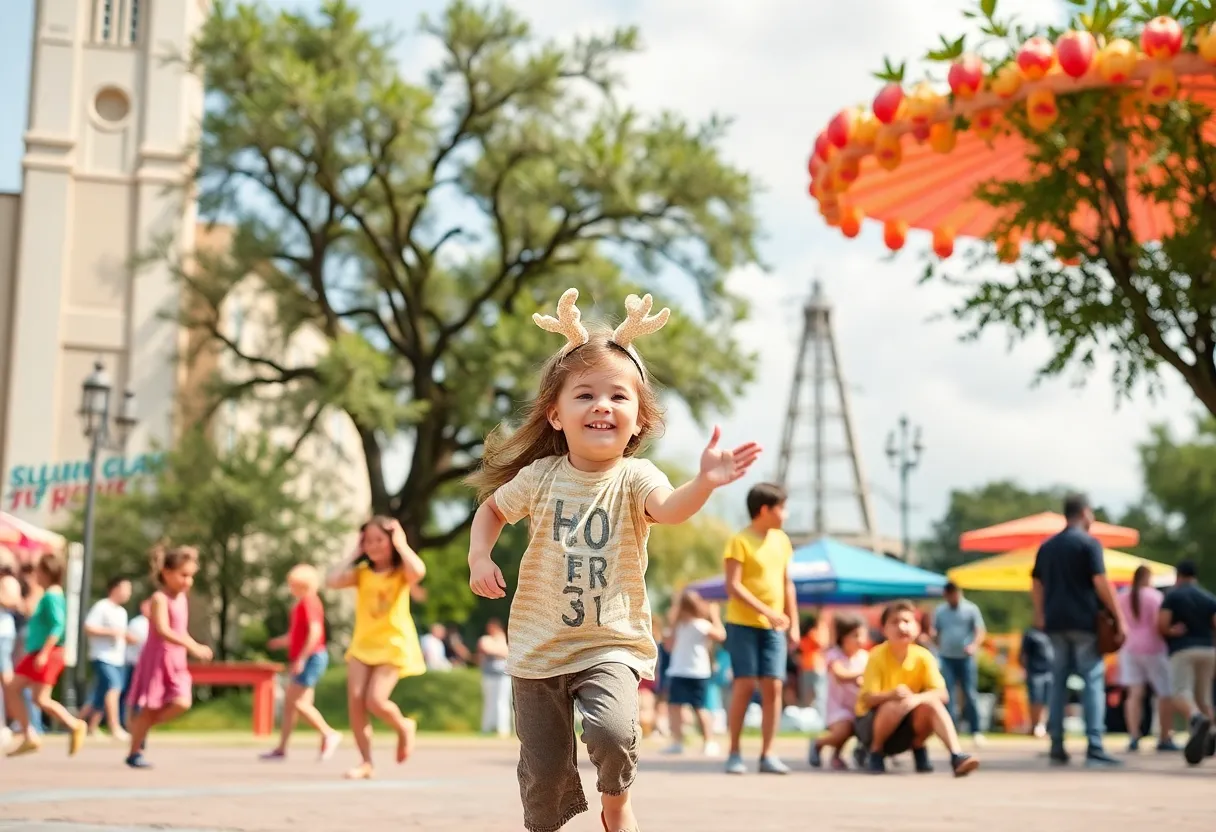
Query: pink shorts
x=836 y=713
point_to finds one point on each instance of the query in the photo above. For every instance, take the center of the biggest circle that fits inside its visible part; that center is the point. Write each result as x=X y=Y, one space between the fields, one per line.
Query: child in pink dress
x=846 y=664
x=161 y=685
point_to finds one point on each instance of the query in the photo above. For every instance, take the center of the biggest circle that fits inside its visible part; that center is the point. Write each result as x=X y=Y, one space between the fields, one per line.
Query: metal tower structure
x=819 y=436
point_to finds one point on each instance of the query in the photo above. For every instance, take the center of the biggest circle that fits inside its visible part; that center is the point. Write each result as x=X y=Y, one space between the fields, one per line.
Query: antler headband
x=569 y=322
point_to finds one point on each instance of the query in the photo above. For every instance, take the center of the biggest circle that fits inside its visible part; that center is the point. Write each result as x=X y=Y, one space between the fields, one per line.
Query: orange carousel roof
x=1033 y=530
x=936 y=191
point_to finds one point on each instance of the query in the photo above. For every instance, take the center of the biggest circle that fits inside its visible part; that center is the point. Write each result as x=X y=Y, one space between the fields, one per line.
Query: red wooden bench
x=257 y=675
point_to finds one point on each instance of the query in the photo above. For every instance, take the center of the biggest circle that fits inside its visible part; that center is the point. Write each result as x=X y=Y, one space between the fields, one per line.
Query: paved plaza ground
x=469 y=784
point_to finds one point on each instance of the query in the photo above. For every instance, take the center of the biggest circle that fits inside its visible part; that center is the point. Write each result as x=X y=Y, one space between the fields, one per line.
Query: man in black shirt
x=1070 y=587
x=1187 y=616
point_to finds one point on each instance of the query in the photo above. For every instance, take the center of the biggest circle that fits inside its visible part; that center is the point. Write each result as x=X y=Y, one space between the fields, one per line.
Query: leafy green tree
x=418 y=225
x=245 y=512
x=1146 y=304
x=1180 y=485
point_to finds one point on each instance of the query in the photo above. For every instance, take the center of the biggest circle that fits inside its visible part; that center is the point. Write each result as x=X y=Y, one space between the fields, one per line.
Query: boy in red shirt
x=307 y=659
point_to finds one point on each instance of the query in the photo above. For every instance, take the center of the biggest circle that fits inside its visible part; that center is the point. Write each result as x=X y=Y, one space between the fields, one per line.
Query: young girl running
x=308 y=658
x=697 y=629
x=39 y=670
x=161 y=687
x=846 y=664
x=384 y=647
x=580 y=626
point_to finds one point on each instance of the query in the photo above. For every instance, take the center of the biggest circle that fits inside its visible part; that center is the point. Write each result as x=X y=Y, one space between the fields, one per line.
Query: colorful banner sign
x=55 y=486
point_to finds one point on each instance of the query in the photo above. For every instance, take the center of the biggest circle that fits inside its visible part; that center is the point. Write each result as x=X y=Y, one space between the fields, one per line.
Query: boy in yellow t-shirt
x=903 y=698
x=761 y=618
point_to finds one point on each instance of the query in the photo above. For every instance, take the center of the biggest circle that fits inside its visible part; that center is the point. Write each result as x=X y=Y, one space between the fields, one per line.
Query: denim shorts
x=314 y=669
x=691 y=692
x=106 y=678
x=1038 y=688
x=755 y=652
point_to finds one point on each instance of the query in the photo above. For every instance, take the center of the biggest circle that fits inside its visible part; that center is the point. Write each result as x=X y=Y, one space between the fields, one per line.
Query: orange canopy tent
x=1033 y=530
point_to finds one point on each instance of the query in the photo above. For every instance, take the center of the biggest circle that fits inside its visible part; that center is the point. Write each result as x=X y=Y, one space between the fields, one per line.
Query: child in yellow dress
x=384 y=646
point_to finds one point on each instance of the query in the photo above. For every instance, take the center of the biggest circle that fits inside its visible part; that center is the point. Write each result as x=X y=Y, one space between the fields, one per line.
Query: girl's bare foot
x=360 y=772
x=405 y=740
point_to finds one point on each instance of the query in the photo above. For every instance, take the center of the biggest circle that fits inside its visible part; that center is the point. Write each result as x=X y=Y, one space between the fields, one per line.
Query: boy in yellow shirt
x=903 y=698
x=761 y=620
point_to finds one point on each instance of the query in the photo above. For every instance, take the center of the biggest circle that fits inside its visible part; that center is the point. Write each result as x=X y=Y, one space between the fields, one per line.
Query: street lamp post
x=95 y=419
x=904 y=453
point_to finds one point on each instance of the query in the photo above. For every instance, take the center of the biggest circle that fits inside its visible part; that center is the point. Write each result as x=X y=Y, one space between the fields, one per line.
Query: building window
x=105 y=10
x=117 y=22
x=134 y=32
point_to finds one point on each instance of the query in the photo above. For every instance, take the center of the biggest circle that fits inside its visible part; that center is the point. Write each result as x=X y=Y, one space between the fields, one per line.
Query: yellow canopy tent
x=1010 y=572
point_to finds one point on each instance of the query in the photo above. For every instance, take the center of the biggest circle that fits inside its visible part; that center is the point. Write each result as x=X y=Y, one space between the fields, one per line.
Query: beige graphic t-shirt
x=581 y=598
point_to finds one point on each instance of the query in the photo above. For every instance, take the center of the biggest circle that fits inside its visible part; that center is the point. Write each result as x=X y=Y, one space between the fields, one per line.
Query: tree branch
x=441 y=539
x=309 y=427
x=1122 y=270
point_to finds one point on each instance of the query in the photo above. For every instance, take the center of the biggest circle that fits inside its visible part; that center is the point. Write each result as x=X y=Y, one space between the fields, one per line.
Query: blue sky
x=780 y=68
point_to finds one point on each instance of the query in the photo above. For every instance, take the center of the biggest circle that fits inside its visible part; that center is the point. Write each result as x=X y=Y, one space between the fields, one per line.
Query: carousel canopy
x=917 y=158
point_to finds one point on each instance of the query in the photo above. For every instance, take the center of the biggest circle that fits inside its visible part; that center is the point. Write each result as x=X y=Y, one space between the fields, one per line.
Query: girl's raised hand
x=721 y=467
x=399 y=538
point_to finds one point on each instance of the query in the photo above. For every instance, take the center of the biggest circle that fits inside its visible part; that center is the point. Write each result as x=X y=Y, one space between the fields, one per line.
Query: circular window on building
x=112 y=105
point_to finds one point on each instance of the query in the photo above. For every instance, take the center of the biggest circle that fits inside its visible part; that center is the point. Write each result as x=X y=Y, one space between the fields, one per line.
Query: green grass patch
x=448 y=702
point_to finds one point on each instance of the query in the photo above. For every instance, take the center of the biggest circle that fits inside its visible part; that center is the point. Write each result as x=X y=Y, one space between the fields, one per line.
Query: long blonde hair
x=509 y=452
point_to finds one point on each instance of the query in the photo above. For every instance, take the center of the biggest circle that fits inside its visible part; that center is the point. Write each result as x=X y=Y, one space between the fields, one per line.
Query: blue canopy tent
x=830 y=572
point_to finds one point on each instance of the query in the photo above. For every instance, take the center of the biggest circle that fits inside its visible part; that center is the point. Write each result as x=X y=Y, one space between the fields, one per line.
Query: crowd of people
x=584 y=646
x=1165 y=643
x=891 y=698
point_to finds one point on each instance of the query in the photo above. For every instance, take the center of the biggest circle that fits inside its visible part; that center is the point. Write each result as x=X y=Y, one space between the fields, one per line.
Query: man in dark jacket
x=1070 y=588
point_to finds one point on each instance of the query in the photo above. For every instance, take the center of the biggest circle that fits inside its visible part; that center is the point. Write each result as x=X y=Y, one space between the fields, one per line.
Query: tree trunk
x=412 y=504
x=375 y=468
x=1204 y=381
